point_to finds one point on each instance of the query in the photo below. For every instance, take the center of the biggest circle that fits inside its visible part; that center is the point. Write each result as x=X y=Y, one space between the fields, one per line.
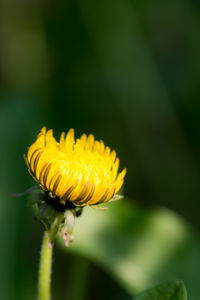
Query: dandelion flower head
x=82 y=171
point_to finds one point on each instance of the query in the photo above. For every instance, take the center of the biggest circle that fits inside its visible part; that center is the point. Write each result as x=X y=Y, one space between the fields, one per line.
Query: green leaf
x=170 y=290
x=138 y=246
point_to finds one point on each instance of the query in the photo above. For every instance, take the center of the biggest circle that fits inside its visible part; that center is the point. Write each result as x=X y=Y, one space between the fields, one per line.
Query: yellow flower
x=82 y=171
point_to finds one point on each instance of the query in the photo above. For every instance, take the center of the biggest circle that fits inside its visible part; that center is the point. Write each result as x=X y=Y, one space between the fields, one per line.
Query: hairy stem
x=44 y=282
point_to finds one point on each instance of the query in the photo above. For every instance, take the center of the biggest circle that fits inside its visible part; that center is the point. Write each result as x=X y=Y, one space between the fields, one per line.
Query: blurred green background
x=127 y=71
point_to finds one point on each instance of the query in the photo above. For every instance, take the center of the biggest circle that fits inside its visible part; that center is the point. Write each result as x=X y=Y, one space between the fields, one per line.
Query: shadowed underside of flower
x=82 y=171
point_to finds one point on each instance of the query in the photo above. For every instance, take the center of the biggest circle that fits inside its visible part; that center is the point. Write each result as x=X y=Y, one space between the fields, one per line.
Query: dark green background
x=128 y=72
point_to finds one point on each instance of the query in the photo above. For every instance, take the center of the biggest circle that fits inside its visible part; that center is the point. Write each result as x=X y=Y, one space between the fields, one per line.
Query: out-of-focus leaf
x=170 y=290
x=140 y=247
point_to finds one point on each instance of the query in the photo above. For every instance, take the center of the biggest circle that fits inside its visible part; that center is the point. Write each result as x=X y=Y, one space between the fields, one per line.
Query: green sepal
x=69 y=221
x=98 y=207
x=50 y=219
x=54 y=216
x=36 y=198
x=116 y=198
x=55 y=221
x=34 y=189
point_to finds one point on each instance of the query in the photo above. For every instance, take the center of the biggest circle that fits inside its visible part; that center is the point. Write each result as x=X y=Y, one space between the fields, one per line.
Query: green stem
x=44 y=290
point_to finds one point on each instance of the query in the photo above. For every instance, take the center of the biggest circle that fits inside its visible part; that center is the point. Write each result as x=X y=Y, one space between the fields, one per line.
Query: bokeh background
x=127 y=71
